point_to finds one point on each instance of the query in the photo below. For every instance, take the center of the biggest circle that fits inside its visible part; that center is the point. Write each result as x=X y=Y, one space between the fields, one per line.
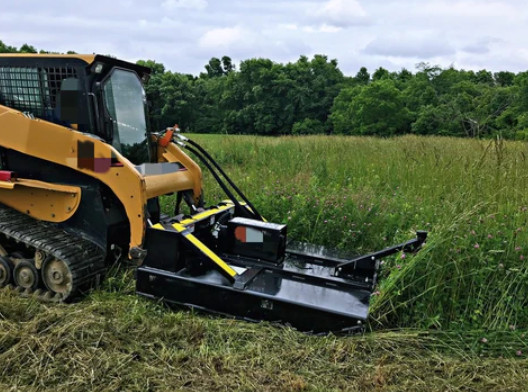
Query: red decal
x=240 y=233
x=102 y=165
x=6 y=175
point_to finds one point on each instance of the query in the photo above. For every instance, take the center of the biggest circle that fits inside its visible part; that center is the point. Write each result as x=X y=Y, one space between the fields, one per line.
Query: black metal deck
x=311 y=288
x=302 y=292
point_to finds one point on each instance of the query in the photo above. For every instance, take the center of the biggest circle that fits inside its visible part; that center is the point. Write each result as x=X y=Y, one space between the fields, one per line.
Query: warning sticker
x=248 y=234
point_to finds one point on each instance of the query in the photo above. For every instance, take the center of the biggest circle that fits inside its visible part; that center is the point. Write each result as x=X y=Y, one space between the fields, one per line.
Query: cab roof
x=89 y=59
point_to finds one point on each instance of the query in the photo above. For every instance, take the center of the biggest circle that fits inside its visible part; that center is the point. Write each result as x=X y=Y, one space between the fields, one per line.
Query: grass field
x=452 y=317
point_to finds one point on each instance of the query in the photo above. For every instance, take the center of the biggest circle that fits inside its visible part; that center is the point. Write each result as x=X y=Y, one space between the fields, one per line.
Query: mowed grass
x=115 y=341
x=452 y=317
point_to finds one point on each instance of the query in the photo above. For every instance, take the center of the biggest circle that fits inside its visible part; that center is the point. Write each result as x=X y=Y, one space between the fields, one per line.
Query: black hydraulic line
x=179 y=198
x=218 y=179
x=219 y=168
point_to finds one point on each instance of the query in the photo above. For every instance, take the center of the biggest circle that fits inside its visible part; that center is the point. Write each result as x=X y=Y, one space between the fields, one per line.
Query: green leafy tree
x=362 y=77
x=308 y=126
x=212 y=104
x=484 y=77
x=311 y=95
x=380 y=73
x=375 y=109
x=514 y=119
x=177 y=95
x=27 y=49
x=227 y=65
x=504 y=79
x=314 y=85
x=216 y=68
x=6 y=48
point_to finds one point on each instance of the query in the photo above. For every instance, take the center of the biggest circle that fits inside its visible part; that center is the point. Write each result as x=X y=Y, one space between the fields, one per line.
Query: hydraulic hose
x=217 y=178
x=219 y=168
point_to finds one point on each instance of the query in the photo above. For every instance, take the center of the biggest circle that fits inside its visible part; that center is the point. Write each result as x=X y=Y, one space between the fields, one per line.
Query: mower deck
x=301 y=292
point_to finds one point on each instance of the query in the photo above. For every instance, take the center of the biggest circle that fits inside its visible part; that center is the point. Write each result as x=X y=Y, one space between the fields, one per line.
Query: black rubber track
x=84 y=259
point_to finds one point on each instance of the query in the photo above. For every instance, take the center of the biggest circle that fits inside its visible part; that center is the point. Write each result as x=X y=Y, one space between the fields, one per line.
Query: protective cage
x=33 y=90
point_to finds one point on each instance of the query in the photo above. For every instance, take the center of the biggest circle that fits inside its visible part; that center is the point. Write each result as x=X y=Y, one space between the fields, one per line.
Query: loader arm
x=171 y=153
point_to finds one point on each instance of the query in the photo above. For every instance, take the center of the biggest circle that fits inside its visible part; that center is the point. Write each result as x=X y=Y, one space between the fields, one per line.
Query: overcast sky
x=185 y=34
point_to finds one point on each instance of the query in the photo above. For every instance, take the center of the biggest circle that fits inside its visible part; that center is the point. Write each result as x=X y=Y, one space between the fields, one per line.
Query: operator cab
x=94 y=94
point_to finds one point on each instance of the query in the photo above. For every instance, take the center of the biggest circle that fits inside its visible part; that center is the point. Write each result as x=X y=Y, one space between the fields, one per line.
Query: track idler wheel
x=57 y=276
x=6 y=271
x=26 y=275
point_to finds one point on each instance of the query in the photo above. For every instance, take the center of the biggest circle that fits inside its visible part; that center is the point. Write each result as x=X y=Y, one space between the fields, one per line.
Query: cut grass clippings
x=117 y=341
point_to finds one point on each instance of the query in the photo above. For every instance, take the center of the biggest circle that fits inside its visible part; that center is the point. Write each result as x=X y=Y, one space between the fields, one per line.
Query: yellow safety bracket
x=229 y=272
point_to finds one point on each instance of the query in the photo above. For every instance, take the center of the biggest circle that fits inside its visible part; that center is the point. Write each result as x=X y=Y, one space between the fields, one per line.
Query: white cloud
x=341 y=13
x=288 y=26
x=223 y=38
x=417 y=44
x=324 y=28
x=188 y=4
x=477 y=48
x=185 y=34
x=480 y=46
x=468 y=9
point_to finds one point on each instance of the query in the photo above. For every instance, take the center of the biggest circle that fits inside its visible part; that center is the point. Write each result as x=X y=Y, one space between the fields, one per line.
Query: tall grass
x=363 y=194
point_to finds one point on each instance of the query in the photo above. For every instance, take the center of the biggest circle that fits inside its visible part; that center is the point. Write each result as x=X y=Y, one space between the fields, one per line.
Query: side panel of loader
x=59 y=145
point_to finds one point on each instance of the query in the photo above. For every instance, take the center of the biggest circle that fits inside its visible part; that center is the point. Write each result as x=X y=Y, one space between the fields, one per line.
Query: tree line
x=313 y=96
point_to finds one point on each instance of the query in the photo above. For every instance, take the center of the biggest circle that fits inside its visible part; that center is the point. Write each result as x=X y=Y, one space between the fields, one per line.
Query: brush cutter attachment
x=228 y=260
x=221 y=263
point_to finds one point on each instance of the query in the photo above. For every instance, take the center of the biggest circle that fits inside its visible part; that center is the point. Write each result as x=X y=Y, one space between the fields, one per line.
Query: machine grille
x=33 y=90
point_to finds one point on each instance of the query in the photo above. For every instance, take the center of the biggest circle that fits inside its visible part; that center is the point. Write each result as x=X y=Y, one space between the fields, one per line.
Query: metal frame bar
x=349 y=267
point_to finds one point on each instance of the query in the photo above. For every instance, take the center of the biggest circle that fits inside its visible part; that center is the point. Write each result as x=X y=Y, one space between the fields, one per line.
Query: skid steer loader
x=80 y=181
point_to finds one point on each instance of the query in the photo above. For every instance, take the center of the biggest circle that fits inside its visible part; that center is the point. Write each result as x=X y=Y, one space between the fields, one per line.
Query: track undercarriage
x=37 y=258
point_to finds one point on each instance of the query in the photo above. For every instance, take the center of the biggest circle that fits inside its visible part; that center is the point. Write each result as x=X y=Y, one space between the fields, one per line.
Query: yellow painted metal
x=172 y=153
x=180 y=228
x=58 y=144
x=88 y=58
x=204 y=215
x=41 y=200
x=205 y=250
x=162 y=184
x=7 y=185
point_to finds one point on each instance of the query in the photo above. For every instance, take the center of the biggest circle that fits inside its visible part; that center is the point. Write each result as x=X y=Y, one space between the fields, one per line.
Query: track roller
x=26 y=275
x=6 y=271
x=57 y=276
